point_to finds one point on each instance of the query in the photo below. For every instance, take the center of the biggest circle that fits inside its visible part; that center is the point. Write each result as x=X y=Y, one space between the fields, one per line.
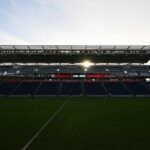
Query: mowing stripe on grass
x=44 y=125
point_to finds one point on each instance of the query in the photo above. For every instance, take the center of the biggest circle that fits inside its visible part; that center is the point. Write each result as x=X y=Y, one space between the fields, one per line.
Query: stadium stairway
x=106 y=91
x=59 y=88
x=82 y=86
x=37 y=88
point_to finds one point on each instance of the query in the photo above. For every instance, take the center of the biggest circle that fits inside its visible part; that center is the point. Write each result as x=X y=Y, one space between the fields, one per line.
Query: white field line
x=44 y=125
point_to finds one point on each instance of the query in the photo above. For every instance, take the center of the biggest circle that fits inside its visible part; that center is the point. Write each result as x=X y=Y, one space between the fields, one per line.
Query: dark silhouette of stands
x=94 y=88
x=7 y=87
x=116 y=88
x=48 y=88
x=26 y=88
x=146 y=84
x=137 y=88
x=71 y=88
x=97 y=88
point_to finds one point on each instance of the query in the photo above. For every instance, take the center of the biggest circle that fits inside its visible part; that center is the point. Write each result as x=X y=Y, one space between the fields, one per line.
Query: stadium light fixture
x=87 y=64
x=36 y=69
x=107 y=70
x=125 y=71
x=85 y=69
x=5 y=73
x=58 y=70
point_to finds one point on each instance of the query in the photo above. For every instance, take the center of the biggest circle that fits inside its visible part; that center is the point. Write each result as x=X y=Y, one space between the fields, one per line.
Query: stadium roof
x=74 y=53
x=75 y=47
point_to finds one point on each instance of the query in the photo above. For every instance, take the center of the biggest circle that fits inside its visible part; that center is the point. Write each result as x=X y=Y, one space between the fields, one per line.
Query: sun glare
x=87 y=64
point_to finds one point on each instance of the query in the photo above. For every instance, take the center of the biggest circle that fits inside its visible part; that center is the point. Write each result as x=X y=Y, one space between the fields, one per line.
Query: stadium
x=76 y=70
x=74 y=97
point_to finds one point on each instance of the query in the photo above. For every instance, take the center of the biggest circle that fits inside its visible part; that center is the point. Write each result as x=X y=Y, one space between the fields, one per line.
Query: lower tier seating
x=97 y=88
x=116 y=88
x=7 y=87
x=71 y=88
x=26 y=88
x=94 y=88
x=146 y=84
x=48 y=88
x=137 y=88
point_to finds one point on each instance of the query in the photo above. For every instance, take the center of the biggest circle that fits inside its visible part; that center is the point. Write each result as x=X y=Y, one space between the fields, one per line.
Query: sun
x=87 y=64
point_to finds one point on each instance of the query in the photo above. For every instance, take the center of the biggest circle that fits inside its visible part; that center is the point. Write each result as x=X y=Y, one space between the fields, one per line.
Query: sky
x=87 y=22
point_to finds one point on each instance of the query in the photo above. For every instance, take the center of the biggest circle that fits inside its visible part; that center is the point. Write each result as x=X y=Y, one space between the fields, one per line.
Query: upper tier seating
x=113 y=70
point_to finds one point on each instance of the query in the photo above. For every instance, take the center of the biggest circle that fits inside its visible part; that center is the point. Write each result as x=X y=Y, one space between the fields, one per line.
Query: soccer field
x=77 y=123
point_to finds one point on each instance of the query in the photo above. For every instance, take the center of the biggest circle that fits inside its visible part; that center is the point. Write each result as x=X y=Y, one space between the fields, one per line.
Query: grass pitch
x=84 y=123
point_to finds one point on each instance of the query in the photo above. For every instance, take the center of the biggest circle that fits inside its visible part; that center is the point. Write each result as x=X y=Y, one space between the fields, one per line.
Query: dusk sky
x=75 y=22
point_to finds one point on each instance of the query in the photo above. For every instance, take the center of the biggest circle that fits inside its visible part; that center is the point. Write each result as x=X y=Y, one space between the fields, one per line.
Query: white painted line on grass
x=44 y=126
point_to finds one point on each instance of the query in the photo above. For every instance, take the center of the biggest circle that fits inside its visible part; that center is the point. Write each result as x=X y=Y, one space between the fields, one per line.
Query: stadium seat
x=7 y=87
x=146 y=84
x=71 y=88
x=94 y=88
x=137 y=88
x=26 y=88
x=116 y=88
x=48 y=88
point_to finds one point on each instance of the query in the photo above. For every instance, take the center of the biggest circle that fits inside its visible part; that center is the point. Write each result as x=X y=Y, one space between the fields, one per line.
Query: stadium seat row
x=74 y=88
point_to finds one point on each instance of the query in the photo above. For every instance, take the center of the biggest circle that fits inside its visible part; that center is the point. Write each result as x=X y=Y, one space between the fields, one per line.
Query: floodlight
x=5 y=73
x=85 y=69
x=58 y=70
x=107 y=69
x=125 y=71
x=17 y=72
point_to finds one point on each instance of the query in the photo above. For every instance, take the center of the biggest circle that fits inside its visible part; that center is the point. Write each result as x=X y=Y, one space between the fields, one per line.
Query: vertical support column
x=60 y=86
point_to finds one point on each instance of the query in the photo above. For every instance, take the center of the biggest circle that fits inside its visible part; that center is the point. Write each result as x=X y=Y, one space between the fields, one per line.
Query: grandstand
x=74 y=97
x=50 y=70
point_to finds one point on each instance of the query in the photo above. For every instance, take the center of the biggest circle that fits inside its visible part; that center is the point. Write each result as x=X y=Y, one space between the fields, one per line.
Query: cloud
x=7 y=38
x=78 y=22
